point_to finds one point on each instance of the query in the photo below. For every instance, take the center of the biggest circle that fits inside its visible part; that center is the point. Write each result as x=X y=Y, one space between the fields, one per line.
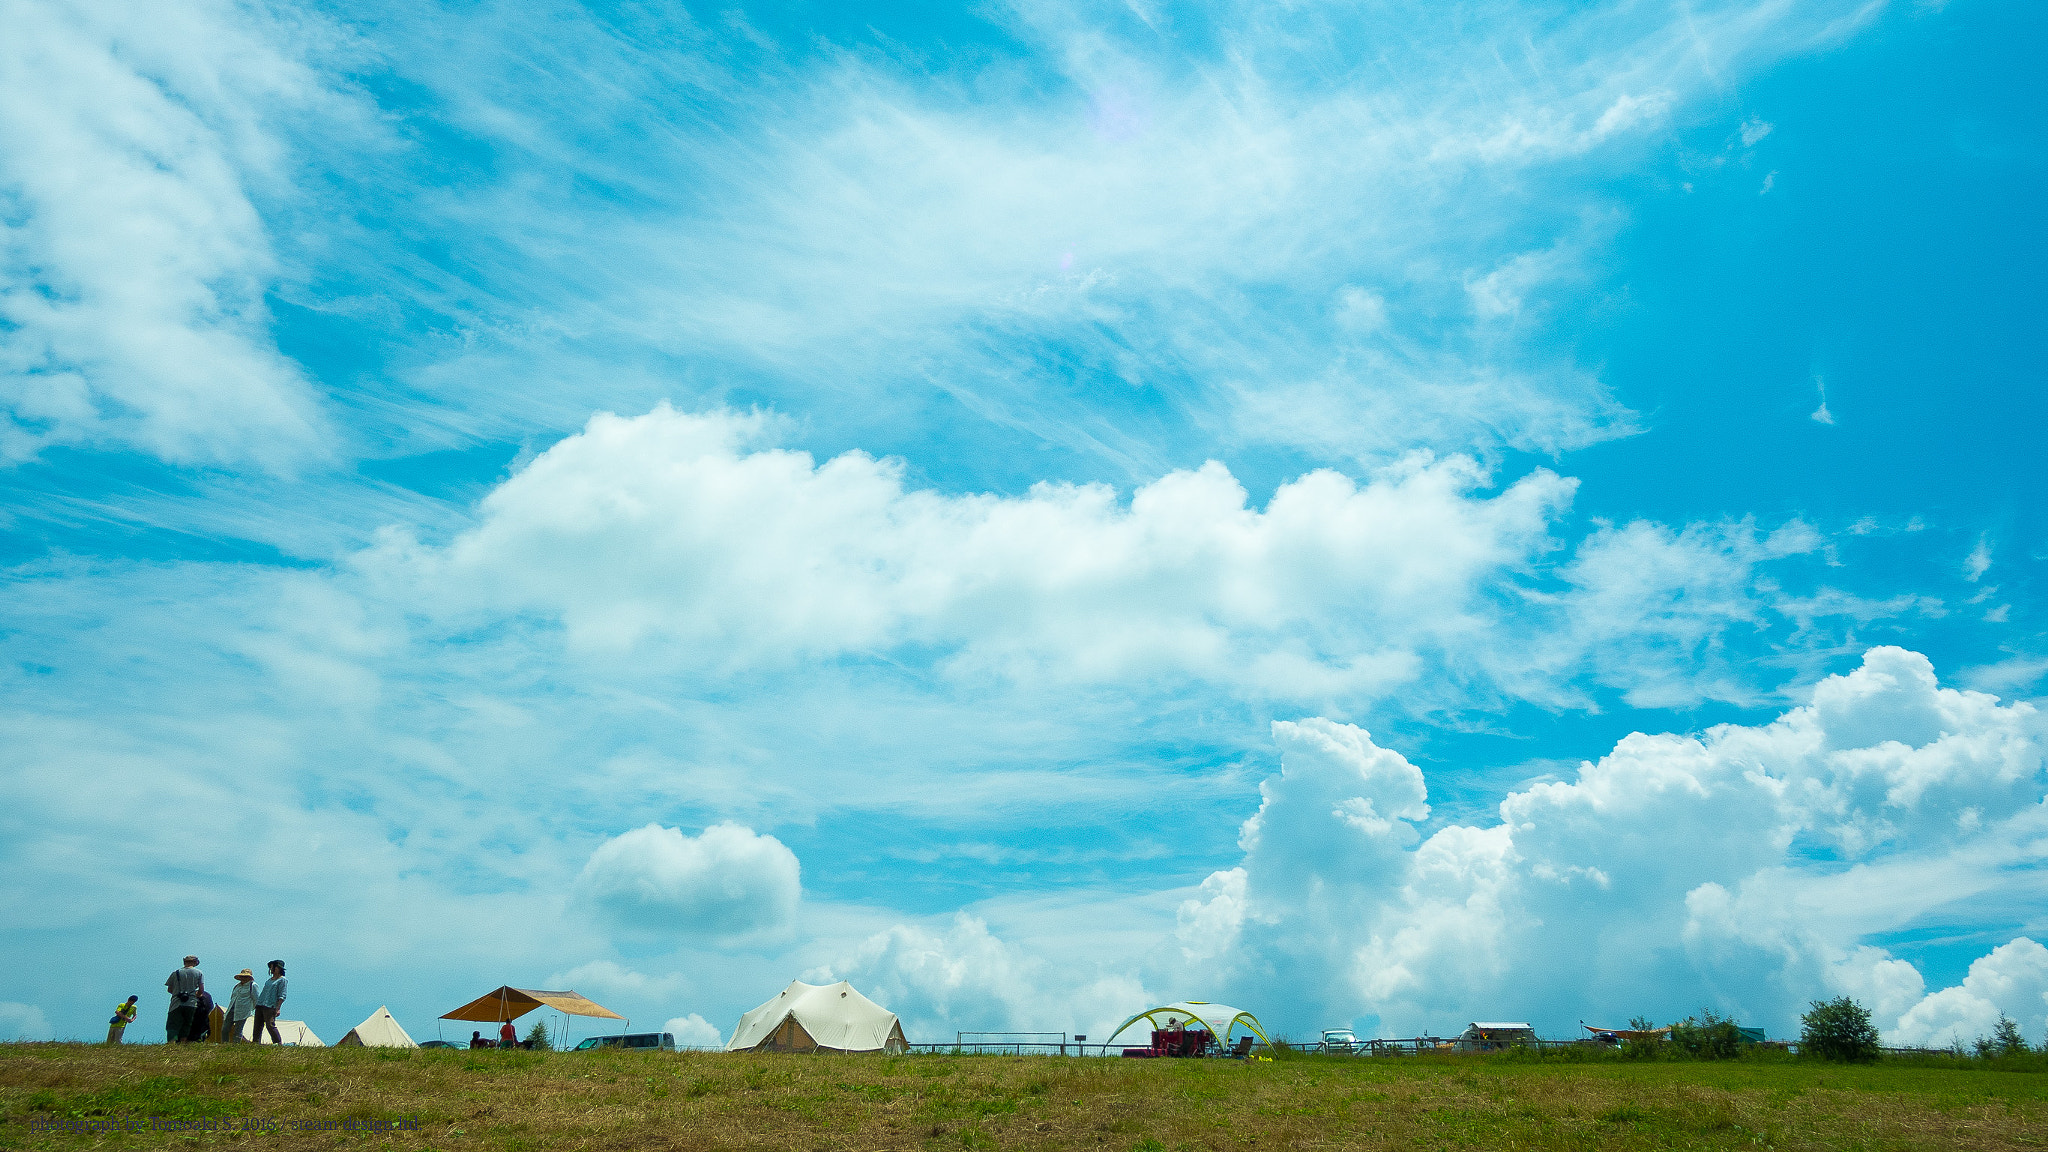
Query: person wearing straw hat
x=241 y=1003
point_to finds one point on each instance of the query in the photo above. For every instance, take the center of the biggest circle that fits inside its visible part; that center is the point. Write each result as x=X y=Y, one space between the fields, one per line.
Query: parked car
x=659 y=1041
x=1339 y=1040
x=441 y=1044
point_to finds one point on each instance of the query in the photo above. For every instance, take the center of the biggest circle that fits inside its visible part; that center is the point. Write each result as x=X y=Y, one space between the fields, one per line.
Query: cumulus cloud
x=2011 y=981
x=678 y=529
x=133 y=261
x=693 y=542
x=1741 y=868
x=728 y=881
x=959 y=976
x=23 y=1022
x=693 y=1031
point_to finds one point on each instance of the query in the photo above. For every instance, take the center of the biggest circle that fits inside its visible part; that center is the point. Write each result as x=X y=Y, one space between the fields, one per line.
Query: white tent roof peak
x=381 y=1030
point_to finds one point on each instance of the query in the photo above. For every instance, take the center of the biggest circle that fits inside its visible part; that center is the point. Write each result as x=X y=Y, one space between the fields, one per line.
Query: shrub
x=1709 y=1036
x=1633 y=1049
x=538 y=1036
x=1838 y=1029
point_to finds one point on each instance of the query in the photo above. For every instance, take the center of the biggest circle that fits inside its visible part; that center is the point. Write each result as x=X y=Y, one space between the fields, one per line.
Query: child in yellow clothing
x=124 y=1015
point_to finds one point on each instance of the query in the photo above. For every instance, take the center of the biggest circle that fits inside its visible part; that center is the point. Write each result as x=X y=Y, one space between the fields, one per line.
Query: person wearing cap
x=241 y=1003
x=269 y=1002
x=184 y=985
x=124 y=1015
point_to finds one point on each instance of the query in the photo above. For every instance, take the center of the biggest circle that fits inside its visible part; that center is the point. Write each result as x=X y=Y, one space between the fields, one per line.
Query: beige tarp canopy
x=509 y=1003
x=1218 y=1018
x=1630 y=1033
x=379 y=1031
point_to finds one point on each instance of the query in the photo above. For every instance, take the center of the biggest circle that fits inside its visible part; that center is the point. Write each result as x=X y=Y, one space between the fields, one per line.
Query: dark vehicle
x=441 y=1044
x=655 y=1041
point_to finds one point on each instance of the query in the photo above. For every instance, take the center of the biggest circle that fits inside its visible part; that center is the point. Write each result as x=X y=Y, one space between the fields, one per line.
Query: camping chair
x=1242 y=1048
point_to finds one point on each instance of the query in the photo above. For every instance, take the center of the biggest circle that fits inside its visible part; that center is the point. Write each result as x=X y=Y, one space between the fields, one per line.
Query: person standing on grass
x=508 y=1036
x=241 y=1004
x=184 y=985
x=202 y=1019
x=124 y=1015
x=269 y=1003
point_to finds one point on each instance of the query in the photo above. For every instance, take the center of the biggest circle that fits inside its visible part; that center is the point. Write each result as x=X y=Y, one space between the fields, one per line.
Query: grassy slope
x=649 y=1100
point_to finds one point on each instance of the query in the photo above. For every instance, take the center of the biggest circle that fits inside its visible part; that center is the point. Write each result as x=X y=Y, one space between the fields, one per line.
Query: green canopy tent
x=1219 y=1019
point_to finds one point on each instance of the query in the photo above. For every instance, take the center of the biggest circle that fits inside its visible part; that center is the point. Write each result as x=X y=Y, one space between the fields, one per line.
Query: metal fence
x=1008 y=1044
x=1416 y=1045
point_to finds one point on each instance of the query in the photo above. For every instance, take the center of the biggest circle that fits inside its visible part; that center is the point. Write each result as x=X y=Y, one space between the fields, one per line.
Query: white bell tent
x=379 y=1031
x=290 y=1031
x=818 y=1018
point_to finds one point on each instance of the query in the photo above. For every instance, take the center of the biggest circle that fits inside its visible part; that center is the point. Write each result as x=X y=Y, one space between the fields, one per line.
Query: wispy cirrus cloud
x=134 y=260
x=1111 y=237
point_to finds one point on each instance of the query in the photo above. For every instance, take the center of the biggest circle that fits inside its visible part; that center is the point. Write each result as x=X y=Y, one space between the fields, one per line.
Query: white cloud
x=669 y=533
x=1798 y=839
x=1116 y=210
x=959 y=977
x=1821 y=415
x=1360 y=311
x=2016 y=674
x=24 y=1022
x=1979 y=560
x=603 y=978
x=726 y=882
x=1648 y=606
x=693 y=1031
x=133 y=263
x=1500 y=293
x=2011 y=981
x=1754 y=130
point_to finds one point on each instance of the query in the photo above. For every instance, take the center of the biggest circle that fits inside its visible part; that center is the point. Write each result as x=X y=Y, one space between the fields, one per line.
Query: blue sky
x=1383 y=517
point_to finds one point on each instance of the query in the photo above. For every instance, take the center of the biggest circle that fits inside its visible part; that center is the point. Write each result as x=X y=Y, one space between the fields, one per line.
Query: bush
x=1633 y=1049
x=538 y=1036
x=1838 y=1029
x=1709 y=1036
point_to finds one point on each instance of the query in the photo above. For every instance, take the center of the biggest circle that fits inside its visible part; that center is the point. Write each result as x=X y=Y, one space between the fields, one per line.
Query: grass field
x=298 y=1098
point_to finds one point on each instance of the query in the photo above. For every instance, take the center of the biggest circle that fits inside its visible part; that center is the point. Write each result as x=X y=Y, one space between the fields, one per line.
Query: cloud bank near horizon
x=1746 y=870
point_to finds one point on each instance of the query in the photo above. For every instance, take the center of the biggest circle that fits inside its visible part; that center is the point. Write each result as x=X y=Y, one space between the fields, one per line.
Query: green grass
x=612 y=1100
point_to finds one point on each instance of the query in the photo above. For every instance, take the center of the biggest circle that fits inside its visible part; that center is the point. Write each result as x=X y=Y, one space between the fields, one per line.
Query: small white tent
x=290 y=1031
x=379 y=1031
x=818 y=1018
